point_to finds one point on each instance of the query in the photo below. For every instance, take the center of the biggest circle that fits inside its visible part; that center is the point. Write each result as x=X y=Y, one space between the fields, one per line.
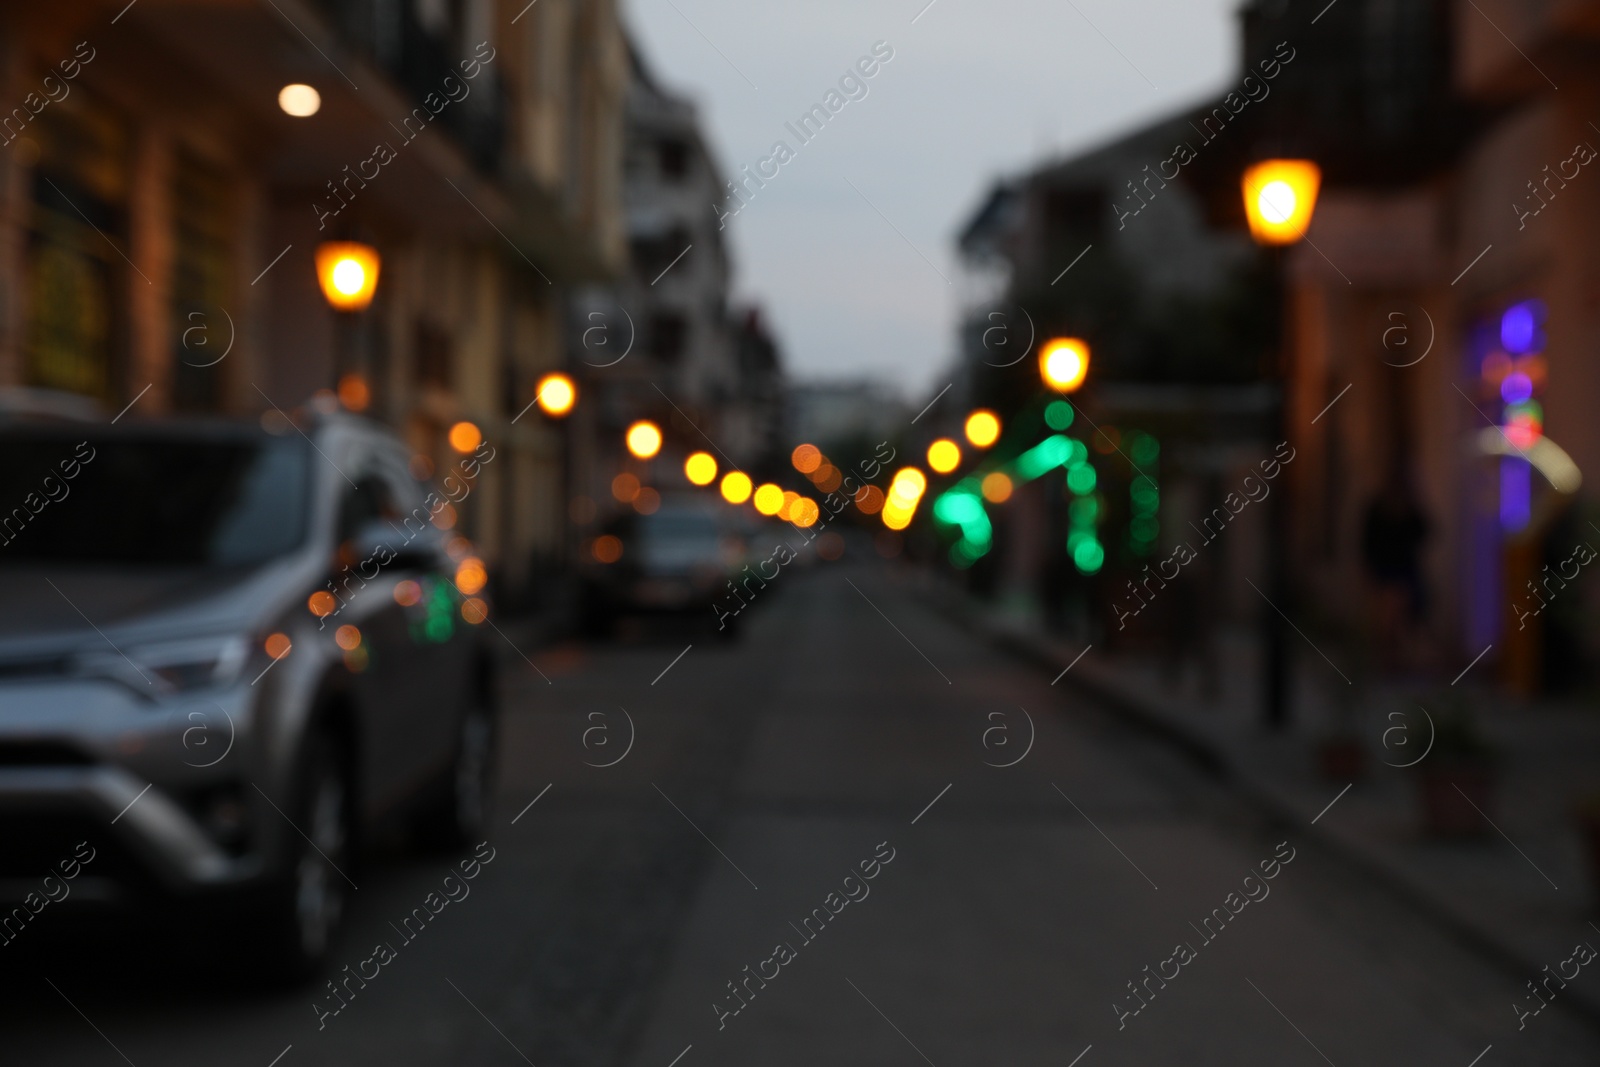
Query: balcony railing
x=419 y=59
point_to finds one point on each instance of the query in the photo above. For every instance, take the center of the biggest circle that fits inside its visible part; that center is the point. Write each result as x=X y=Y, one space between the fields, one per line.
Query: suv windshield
x=87 y=496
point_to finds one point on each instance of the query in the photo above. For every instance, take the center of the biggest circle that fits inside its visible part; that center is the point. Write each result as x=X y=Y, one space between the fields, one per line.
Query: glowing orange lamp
x=348 y=273
x=1280 y=196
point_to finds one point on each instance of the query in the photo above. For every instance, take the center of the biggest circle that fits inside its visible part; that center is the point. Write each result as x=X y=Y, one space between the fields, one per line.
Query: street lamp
x=1064 y=364
x=1280 y=196
x=348 y=273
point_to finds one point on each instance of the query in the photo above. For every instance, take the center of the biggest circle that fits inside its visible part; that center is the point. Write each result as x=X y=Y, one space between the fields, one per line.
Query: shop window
x=74 y=254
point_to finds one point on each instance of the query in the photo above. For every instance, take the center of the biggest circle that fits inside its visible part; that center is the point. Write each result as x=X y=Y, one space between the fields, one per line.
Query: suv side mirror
x=377 y=545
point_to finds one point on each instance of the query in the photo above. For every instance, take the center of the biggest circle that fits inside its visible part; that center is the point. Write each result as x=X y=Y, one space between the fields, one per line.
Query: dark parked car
x=226 y=653
x=677 y=560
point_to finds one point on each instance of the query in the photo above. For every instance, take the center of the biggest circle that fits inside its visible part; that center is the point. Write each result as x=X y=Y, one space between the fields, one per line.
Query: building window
x=669 y=336
x=74 y=313
x=432 y=357
x=1074 y=216
x=673 y=155
x=653 y=255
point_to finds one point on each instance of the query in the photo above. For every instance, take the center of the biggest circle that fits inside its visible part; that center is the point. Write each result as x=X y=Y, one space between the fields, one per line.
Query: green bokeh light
x=1081 y=479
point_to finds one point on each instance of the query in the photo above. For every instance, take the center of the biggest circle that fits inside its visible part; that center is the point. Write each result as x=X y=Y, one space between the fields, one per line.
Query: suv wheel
x=307 y=902
x=461 y=811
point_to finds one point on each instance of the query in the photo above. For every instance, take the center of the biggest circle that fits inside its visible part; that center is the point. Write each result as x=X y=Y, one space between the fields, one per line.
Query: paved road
x=1009 y=908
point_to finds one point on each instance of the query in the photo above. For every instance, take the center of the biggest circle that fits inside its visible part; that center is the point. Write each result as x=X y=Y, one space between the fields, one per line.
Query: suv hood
x=61 y=606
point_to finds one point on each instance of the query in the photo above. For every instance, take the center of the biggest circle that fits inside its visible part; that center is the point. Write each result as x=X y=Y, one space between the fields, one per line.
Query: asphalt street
x=806 y=846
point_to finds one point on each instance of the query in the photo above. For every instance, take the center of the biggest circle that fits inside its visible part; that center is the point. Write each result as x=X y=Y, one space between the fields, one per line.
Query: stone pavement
x=1521 y=892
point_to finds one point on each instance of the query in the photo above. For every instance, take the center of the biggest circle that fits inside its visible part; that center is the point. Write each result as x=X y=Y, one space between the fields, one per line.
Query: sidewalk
x=1521 y=896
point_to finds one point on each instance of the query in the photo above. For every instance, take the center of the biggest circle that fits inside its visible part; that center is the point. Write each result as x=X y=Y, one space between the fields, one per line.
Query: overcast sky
x=976 y=89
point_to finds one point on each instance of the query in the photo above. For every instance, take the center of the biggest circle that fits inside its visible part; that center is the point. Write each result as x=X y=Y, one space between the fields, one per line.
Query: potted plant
x=1457 y=778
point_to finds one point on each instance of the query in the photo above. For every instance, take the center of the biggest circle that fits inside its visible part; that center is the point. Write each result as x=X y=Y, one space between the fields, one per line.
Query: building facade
x=662 y=344
x=1457 y=299
x=160 y=214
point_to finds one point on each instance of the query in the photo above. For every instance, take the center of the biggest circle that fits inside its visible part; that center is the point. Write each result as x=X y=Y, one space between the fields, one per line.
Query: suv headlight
x=172 y=666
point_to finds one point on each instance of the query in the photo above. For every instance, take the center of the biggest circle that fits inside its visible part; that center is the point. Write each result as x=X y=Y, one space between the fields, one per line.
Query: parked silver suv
x=226 y=651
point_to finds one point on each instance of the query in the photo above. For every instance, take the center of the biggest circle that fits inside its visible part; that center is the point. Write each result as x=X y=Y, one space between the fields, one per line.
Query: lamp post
x=1063 y=367
x=347 y=271
x=1280 y=196
x=1064 y=364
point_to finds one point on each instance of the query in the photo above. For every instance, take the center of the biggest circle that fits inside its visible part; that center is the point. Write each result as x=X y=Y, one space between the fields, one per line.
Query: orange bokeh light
x=625 y=487
x=354 y=393
x=644 y=439
x=769 y=499
x=997 y=488
x=736 y=487
x=983 y=428
x=556 y=394
x=944 y=455
x=908 y=485
x=471 y=576
x=465 y=436
x=606 y=549
x=700 y=468
x=806 y=458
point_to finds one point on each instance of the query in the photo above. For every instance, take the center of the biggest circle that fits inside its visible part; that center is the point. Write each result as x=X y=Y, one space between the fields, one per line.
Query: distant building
x=827 y=413
x=757 y=424
x=1178 y=317
x=661 y=343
